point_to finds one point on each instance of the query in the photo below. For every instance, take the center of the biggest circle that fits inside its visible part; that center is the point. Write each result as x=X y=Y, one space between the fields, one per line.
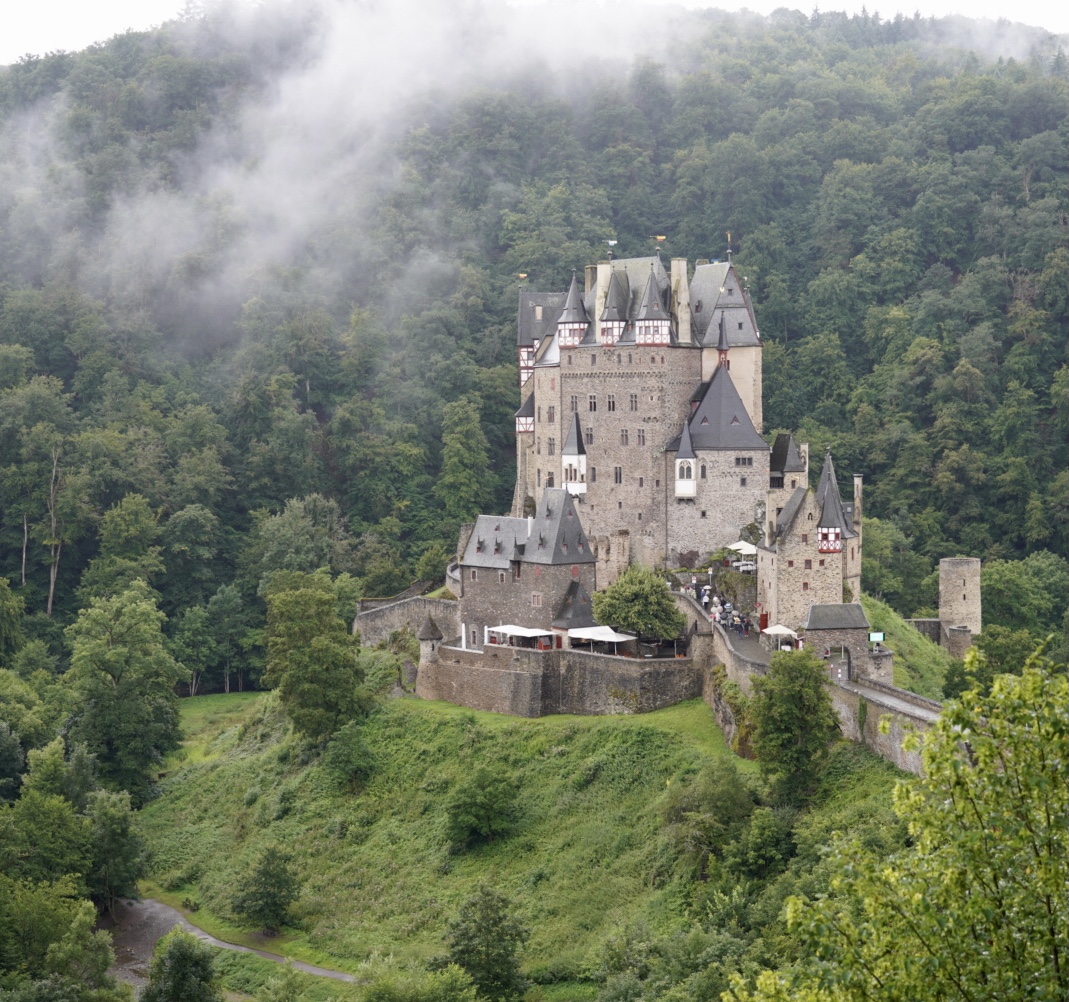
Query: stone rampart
x=376 y=622
x=860 y=714
x=529 y=683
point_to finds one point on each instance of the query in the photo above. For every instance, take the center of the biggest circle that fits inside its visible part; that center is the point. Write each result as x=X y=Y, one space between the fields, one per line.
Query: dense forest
x=258 y=281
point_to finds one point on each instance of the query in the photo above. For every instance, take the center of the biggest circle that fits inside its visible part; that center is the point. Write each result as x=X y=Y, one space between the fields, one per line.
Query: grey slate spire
x=832 y=515
x=686 y=447
x=573 y=444
x=651 y=307
x=616 y=299
x=574 y=311
x=720 y=420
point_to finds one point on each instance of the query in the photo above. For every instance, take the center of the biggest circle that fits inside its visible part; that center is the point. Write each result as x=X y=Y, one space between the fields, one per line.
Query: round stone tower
x=959 y=594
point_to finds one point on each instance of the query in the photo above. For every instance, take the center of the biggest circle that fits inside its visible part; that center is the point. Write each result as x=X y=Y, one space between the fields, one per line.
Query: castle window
x=810 y=516
x=574 y=403
x=500 y=577
x=703 y=472
x=474 y=637
x=731 y=292
x=629 y=358
x=539 y=409
x=632 y=403
x=640 y=516
x=575 y=570
x=641 y=433
x=703 y=513
x=805 y=537
x=740 y=325
x=775 y=482
x=809 y=565
x=657 y=483
x=822 y=563
x=794 y=483
x=474 y=574
x=593 y=474
x=589 y=436
x=653 y=359
x=549 y=480
x=551 y=414
x=538 y=446
x=790 y=563
x=551 y=446
x=592 y=402
x=641 y=481
x=684 y=470
x=742 y=481
x=536 y=599
x=538 y=477
x=623 y=436
x=805 y=586
x=618 y=474
x=610 y=403
x=593 y=359
x=538 y=312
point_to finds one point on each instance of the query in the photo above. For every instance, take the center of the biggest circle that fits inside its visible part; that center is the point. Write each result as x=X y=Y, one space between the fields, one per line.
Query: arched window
x=703 y=471
x=686 y=470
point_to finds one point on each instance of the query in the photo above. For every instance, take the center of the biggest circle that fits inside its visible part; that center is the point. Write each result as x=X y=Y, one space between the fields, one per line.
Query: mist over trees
x=259 y=267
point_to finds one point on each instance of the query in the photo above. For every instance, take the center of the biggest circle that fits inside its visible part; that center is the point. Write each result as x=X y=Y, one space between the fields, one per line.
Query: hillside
x=591 y=859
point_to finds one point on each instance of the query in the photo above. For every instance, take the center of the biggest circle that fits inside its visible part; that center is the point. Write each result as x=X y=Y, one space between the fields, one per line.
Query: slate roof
x=709 y=305
x=617 y=299
x=686 y=447
x=720 y=420
x=574 y=312
x=548 y=351
x=790 y=511
x=842 y=616
x=556 y=535
x=495 y=541
x=527 y=408
x=651 y=307
x=785 y=456
x=573 y=444
x=576 y=611
x=832 y=515
x=528 y=329
x=429 y=630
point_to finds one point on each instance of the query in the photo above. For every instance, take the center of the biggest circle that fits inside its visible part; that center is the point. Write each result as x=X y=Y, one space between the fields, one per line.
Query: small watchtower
x=430 y=639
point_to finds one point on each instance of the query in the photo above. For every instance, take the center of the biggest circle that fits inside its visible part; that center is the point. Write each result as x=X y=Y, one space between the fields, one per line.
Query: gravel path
x=139 y=924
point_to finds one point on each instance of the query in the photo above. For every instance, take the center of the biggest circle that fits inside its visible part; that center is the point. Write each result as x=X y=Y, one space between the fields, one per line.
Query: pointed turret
x=686 y=486
x=652 y=322
x=834 y=525
x=573 y=460
x=574 y=319
x=722 y=344
x=614 y=316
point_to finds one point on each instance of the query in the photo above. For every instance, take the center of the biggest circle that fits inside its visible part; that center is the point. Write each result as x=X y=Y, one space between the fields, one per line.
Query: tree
x=117 y=850
x=193 y=645
x=793 y=722
x=975 y=909
x=181 y=971
x=485 y=939
x=264 y=898
x=482 y=806
x=124 y=679
x=639 y=601
x=12 y=610
x=312 y=657
x=127 y=533
x=463 y=486
x=228 y=621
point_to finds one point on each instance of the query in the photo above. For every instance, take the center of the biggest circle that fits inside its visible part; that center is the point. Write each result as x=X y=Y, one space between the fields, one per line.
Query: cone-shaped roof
x=832 y=515
x=616 y=299
x=686 y=447
x=573 y=444
x=574 y=311
x=651 y=308
x=429 y=630
x=722 y=341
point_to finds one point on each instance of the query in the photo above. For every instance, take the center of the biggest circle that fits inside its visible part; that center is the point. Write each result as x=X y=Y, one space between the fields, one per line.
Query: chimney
x=680 y=305
x=858 y=478
x=590 y=275
x=604 y=270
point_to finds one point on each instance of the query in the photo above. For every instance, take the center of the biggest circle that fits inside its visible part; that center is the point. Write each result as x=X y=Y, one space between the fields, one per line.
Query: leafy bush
x=481 y=807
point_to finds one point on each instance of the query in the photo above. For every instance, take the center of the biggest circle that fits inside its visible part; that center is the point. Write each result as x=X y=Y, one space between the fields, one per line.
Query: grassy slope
x=379 y=875
x=587 y=861
x=919 y=665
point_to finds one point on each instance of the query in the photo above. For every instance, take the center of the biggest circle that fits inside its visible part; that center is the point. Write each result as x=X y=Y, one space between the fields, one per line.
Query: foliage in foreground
x=485 y=941
x=975 y=910
x=181 y=971
x=639 y=602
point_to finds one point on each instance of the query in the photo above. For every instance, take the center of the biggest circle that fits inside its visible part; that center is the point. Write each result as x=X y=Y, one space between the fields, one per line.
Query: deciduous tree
x=639 y=601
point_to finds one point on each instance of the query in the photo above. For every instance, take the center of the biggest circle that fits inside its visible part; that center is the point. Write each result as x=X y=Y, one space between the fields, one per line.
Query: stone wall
x=527 y=683
x=376 y=623
x=863 y=665
x=930 y=628
x=863 y=725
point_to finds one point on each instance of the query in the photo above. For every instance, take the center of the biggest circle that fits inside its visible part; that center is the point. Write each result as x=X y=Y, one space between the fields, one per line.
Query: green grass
x=919 y=665
x=587 y=858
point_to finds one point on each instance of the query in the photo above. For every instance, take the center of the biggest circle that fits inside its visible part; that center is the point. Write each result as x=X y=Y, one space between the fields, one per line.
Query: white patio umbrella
x=780 y=631
x=746 y=549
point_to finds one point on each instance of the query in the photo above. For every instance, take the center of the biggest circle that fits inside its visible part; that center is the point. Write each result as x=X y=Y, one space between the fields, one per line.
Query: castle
x=641 y=397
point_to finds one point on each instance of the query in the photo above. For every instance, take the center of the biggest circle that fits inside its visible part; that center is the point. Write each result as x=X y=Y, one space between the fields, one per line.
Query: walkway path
x=139 y=924
x=891 y=702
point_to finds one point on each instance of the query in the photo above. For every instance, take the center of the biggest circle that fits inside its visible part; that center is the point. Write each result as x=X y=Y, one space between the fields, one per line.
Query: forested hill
x=259 y=277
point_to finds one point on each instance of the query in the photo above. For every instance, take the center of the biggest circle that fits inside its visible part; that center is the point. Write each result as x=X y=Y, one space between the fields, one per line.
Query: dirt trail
x=139 y=924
